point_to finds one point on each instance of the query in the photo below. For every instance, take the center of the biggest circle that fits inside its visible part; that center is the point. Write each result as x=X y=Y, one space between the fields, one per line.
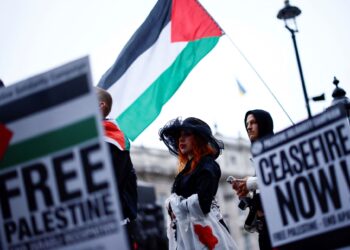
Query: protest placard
x=56 y=184
x=304 y=181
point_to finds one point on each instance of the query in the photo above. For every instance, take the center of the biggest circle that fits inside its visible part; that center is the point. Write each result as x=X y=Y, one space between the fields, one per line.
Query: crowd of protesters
x=192 y=207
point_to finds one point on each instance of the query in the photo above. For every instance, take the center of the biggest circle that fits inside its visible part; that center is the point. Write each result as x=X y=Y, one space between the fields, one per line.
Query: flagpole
x=259 y=76
x=252 y=67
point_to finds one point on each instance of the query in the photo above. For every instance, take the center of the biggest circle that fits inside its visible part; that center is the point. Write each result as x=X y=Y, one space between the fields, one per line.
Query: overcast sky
x=38 y=35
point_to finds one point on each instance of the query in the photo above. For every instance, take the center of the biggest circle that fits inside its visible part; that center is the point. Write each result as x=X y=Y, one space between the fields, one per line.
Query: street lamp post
x=287 y=13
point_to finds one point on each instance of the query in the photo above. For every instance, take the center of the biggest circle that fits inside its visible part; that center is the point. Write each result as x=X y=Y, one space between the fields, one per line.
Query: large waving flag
x=176 y=35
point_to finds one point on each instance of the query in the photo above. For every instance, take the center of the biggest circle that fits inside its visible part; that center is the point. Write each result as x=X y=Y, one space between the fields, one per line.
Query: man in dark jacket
x=258 y=124
x=124 y=171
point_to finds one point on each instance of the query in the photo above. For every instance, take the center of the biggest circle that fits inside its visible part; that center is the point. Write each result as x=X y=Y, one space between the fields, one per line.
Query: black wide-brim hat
x=170 y=134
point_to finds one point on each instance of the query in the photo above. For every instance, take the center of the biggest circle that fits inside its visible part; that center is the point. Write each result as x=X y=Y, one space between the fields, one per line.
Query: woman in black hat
x=192 y=206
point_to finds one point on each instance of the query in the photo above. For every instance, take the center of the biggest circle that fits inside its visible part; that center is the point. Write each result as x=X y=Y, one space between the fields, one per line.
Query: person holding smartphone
x=258 y=124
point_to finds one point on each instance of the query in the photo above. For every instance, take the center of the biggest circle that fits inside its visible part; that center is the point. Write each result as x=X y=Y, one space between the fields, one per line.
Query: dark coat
x=203 y=180
x=265 y=128
x=125 y=175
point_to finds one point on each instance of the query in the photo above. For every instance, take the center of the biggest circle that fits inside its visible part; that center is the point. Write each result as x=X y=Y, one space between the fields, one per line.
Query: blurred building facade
x=158 y=168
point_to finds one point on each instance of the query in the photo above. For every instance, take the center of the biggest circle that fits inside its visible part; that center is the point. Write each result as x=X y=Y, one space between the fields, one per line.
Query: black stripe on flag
x=144 y=37
x=44 y=99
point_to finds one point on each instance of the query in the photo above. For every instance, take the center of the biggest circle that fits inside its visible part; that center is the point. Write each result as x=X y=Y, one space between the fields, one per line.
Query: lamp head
x=288 y=12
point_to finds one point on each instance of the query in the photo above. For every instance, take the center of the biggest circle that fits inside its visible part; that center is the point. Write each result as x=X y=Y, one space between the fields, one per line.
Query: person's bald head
x=104 y=101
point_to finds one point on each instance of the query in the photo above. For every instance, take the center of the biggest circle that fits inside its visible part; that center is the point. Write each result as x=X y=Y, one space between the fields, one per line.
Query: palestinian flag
x=5 y=137
x=115 y=136
x=176 y=35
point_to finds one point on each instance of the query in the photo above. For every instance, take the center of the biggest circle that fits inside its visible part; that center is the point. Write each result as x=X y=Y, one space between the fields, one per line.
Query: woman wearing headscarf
x=196 y=221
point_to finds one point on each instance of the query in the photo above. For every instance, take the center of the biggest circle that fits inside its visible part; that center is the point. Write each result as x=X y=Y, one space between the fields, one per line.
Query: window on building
x=233 y=160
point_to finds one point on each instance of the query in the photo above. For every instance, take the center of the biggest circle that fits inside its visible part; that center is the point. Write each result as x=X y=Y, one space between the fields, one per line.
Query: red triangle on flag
x=190 y=22
x=5 y=137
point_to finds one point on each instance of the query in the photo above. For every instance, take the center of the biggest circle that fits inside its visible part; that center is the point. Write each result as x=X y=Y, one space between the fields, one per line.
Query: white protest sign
x=56 y=185
x=304 y=181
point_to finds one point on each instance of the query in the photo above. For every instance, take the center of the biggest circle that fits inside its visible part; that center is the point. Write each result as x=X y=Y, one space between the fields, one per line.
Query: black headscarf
x=264 y=120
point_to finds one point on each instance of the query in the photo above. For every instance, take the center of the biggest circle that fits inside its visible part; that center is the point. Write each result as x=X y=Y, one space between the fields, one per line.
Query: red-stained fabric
x=190 y=22
x=206 y=236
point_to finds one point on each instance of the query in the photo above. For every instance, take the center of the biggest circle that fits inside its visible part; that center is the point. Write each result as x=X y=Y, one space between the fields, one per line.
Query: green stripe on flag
x=148 y=106
x=50 y=142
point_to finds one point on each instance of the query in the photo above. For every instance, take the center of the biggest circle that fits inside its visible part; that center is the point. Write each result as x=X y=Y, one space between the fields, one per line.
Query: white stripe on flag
x=140 y=75
x=51 y=119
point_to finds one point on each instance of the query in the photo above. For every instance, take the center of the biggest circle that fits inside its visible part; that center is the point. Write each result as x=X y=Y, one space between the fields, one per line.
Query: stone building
x=158 y=167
